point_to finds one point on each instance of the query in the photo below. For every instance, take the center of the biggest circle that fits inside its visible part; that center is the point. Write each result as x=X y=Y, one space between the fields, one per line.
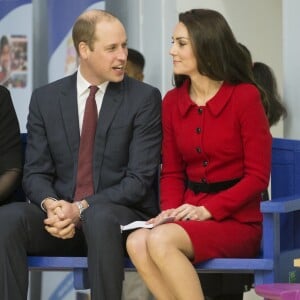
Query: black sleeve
x=10 y=146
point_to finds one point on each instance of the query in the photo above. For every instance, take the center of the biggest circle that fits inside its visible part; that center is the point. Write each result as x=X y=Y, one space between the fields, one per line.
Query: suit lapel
x=69 y=111
x=111 y=102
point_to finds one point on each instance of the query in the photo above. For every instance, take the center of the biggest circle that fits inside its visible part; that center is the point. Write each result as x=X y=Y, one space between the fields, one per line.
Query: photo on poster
x=13 y=61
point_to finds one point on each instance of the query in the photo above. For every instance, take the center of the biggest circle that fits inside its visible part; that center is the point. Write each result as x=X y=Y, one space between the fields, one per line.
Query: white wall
x=291 y=50
x=255 y=23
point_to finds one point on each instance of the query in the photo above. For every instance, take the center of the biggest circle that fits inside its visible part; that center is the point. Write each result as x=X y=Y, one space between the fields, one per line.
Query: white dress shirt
x=83 y=93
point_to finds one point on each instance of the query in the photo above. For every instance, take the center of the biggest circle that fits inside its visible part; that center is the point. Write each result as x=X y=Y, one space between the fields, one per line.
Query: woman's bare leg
x=162 y=258
x=170 y=248
x=138 y=252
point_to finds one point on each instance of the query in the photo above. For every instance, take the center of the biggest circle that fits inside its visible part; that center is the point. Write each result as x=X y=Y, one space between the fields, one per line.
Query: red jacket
x=226 y=139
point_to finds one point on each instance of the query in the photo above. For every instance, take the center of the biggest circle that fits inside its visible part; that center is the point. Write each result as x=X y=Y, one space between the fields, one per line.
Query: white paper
x=143 y=224
x=136 y=224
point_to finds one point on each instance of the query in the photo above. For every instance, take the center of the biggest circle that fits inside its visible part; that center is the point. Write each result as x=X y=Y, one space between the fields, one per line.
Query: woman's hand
x=163 y=215
x=191 y=212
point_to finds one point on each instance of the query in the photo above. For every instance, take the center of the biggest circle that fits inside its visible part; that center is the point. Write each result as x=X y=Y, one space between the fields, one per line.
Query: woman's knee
x=158 y=242
x=136 y=242
x=163 y=240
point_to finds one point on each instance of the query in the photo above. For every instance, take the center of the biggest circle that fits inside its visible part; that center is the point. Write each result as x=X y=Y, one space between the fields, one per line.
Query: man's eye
x=111 y=48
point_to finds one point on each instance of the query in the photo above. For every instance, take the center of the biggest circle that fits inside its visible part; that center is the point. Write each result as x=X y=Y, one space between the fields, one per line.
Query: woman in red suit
x=216 y=158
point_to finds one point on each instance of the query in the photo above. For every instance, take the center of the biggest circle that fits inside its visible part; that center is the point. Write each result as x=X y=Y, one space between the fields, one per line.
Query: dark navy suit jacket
x=126 y=152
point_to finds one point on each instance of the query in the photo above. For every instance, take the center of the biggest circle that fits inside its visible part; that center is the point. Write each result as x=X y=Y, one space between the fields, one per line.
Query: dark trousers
x=22 y=233
x=225 y=286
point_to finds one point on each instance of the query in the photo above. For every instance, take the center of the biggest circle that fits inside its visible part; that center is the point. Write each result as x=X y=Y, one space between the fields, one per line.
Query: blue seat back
x=285 y=168
x=285 y=182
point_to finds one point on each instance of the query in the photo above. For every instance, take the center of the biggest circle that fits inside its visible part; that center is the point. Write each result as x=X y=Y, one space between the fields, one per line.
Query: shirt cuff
x=42 y=203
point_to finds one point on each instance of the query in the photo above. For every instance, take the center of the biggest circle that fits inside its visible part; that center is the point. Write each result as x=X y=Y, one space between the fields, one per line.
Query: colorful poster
x=16 y=53
x=62 y=15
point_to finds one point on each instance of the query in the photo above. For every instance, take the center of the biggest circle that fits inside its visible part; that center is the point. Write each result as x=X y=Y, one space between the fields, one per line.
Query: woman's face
x=184 y=60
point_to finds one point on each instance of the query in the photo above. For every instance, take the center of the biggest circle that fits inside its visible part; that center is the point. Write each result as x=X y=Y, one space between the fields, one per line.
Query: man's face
x=133 y=71
x=107 y=60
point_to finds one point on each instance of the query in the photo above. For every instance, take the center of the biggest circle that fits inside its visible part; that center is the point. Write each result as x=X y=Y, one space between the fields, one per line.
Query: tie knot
x=93 y=90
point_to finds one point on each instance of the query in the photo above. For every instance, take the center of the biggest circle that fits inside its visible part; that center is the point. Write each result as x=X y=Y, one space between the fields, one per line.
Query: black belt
x=202 y=187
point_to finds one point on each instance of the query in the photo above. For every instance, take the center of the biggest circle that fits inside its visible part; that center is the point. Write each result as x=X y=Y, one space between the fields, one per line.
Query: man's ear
x=83 y=49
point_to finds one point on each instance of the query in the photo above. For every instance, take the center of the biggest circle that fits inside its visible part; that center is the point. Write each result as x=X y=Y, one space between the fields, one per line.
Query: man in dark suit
x=126 y=155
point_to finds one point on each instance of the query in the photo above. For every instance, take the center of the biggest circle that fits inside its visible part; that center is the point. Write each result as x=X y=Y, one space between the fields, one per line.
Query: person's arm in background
x=10 y=147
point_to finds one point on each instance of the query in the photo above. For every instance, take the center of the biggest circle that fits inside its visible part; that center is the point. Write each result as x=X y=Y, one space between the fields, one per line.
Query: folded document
x=144 y=224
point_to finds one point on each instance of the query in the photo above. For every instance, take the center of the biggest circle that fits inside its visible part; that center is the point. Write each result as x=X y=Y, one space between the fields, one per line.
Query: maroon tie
x=84 y=181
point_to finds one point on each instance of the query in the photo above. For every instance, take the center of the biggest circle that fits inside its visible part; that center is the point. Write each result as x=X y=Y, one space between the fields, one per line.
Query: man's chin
x=116 y=78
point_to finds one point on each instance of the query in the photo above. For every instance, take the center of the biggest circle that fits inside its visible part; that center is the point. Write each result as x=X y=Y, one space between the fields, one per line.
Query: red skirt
x=225 y=239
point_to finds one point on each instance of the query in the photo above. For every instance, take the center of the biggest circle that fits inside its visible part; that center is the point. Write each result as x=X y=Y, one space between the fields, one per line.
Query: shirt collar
x=83 y=85
x=215 y=105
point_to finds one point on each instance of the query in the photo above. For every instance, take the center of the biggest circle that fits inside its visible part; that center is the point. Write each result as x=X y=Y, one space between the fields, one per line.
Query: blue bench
x=281 y=234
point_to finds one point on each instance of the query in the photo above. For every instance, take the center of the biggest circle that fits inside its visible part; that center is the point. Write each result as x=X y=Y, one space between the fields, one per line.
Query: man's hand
x=62 y=216
x=61 y=229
